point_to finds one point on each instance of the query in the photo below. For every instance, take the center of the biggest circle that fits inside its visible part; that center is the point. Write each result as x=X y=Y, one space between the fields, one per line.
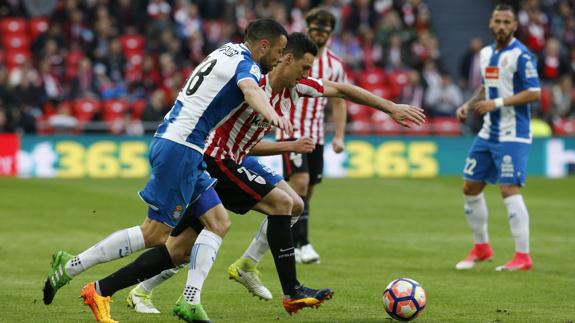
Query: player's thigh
x=511 y=160
x=155 y=233
x=479 y=164
x=241 y=187
x=173 y=182
x=315 y=165
x=298 y=204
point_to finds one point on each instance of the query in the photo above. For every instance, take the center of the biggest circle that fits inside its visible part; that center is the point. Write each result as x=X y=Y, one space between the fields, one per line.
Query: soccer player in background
x=304 y=171
x=225 y=80
x=499 y=153
x=225 y=156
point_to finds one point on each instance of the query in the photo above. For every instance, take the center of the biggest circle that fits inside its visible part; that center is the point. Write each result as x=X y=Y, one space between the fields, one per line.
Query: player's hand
x=461 y=113
x=282 y=123
x=303 y=145
x=337 y=145
x=407 y=114
x=484 y=106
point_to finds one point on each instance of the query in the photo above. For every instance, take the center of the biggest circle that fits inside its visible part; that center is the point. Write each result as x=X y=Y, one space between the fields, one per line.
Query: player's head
x=320 y=24
x=297 y=59
x=503 y=23
x=267 y=39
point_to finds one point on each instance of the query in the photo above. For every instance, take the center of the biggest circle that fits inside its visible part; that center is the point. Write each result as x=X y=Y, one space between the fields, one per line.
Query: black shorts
x=311 y=163
x=241 y=187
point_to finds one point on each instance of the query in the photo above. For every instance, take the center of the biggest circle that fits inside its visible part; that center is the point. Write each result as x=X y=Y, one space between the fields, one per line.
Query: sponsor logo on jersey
x=492 y=72
x=255 y=71
x=260 y=122
x=530 y=70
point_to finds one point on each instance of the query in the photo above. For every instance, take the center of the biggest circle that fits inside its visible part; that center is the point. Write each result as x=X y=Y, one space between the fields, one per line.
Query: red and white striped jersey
x=308 y=116
x=245 y=128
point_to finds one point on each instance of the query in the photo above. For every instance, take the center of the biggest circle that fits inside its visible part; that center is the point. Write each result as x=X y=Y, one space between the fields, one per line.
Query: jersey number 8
x=197 y=78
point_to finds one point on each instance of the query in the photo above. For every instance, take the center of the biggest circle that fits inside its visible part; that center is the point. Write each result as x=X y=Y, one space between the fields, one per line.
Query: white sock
x=117 y=245
x=518 y=221
x=202 y=258
x=476 y=214
x=148 y=285
x=259 y=245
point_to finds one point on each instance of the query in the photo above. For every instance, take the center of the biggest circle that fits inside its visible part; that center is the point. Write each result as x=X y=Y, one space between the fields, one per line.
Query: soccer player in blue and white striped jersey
x=499 y=153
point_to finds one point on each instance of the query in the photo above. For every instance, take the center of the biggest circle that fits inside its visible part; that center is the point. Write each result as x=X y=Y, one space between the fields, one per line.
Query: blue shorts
x=497 y=162
x=178 y=178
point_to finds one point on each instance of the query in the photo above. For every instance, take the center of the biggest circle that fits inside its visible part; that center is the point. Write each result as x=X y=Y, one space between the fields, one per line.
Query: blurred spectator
x=4 y=122
x=63 y=122
x=413 y=92
x=470 y=68
x=562 y=105
x=444 y=99
x=550 y=62
x=361 y=16
x=395 y=55
x=372 y=52
x=156 y=108
x=533 y=25
x=84 y=83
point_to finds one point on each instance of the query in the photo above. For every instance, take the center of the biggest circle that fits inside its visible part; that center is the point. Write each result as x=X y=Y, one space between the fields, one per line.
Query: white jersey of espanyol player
x=505 y=73
x=196 y=113
x=245 y=128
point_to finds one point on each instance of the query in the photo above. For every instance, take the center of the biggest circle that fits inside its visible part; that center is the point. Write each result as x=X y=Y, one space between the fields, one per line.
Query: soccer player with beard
x=304 y=171
x=243 y=184
x=499 y=153
x=216 y=89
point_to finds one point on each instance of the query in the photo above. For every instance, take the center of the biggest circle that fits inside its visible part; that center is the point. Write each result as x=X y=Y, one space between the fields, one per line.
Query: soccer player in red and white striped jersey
x=304 y=171
x=244 y=184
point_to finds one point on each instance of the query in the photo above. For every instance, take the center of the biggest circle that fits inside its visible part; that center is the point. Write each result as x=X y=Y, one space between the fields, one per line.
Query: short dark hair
x=505 y=7
x=320 y=16
x=300 y=44
x=264 y=29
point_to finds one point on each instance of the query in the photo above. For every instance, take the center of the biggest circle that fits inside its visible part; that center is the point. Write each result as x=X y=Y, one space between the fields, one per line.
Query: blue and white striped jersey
x=505 y=73
x=210 y=96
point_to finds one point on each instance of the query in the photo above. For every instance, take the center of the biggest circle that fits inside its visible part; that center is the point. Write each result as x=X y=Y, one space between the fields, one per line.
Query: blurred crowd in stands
x=77 y=66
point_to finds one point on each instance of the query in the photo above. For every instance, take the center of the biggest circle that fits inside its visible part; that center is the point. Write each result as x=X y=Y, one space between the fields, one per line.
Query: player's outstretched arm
x=339 y=119
x=520 y=98
x=303 y=145
x=402 y=113
x=258 y=100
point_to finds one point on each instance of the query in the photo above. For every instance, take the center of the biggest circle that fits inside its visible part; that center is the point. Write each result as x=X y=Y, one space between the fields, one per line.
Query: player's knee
x=509 y=190
x=297 y=207
x=155 y=233
x=282 y=204
x=221 y=227
x=472 y=189
x=179 y=256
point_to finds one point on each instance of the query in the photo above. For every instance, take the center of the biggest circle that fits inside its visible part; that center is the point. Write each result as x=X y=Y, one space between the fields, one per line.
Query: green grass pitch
x=368 y=233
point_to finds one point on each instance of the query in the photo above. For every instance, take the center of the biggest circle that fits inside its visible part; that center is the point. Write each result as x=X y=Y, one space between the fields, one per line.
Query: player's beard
x=503 y=38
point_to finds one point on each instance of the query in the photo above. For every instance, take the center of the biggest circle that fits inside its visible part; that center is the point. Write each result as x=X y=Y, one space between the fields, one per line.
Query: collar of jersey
x=511 y=45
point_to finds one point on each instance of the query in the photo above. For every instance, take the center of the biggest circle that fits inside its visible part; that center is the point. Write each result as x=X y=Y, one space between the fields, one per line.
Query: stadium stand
x=105 y=59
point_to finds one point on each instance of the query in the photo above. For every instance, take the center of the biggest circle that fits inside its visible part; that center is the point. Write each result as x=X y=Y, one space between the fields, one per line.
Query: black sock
x=281 y=246
x=299 y=229
x=147 y=265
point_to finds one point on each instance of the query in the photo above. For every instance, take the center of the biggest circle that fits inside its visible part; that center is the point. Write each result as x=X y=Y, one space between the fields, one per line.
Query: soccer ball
x=404 y=299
